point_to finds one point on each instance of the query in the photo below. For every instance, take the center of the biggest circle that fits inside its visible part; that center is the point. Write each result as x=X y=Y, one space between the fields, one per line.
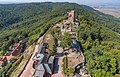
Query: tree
x=66 y=40
x=113 y=65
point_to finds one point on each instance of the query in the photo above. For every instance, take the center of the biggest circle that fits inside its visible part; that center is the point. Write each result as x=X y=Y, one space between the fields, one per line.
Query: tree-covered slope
x=98 y=32
x=100 y=42
x=13 y=13
x=101 y=48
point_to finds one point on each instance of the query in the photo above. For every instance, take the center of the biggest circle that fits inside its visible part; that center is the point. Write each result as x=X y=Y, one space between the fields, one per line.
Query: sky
x=75 y=1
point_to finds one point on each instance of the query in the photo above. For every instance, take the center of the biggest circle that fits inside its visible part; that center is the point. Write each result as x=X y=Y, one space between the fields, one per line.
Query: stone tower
x=71 y=16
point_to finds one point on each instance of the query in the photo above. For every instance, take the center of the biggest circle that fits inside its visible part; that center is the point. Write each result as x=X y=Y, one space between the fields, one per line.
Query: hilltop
x=98 y=32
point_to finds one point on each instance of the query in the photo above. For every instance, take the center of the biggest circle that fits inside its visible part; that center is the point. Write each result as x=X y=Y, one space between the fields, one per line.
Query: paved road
x=29 y=71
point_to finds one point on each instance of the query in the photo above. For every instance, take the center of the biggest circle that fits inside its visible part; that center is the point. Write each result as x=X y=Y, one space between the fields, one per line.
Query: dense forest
x=99 y=33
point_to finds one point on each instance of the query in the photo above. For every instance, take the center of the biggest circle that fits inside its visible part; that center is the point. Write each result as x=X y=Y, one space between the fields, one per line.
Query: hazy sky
x=76 y=1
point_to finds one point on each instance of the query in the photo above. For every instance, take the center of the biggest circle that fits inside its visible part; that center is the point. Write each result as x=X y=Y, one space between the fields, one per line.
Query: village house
x=9 y=55
x=3 y=61
x=12 y=52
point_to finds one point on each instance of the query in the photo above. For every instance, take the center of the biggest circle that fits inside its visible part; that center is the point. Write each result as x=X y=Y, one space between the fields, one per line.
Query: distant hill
x=14 y=13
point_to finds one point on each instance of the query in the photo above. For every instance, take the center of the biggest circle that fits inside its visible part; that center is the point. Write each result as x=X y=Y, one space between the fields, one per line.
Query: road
x=29 y=71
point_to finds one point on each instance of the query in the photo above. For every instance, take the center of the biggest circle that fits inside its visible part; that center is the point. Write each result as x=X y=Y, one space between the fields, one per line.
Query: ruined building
x=71 y=16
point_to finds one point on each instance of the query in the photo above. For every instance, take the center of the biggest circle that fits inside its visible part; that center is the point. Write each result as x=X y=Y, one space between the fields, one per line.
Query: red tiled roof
x=16 y=51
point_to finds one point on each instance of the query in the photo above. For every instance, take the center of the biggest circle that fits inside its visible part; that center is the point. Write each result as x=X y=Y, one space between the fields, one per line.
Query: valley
x=111 y=11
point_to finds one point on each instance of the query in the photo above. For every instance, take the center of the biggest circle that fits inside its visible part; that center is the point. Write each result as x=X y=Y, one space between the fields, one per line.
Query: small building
x=70 y=25
x=70 y=28
x=12 y=52
x=3 y=61
x=42 y=48
x=75 y=45
x=58 y=43
x=17 y=48
x=84 y=73
x=51 y=62
x=47 y=69
x=66 y=27
x=45 y=59
x=73 y=29
x=40 y=71
x=38 y=58
x=16 y=51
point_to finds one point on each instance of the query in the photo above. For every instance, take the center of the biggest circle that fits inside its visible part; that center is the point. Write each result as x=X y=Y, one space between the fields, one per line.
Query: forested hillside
x=98 y=32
